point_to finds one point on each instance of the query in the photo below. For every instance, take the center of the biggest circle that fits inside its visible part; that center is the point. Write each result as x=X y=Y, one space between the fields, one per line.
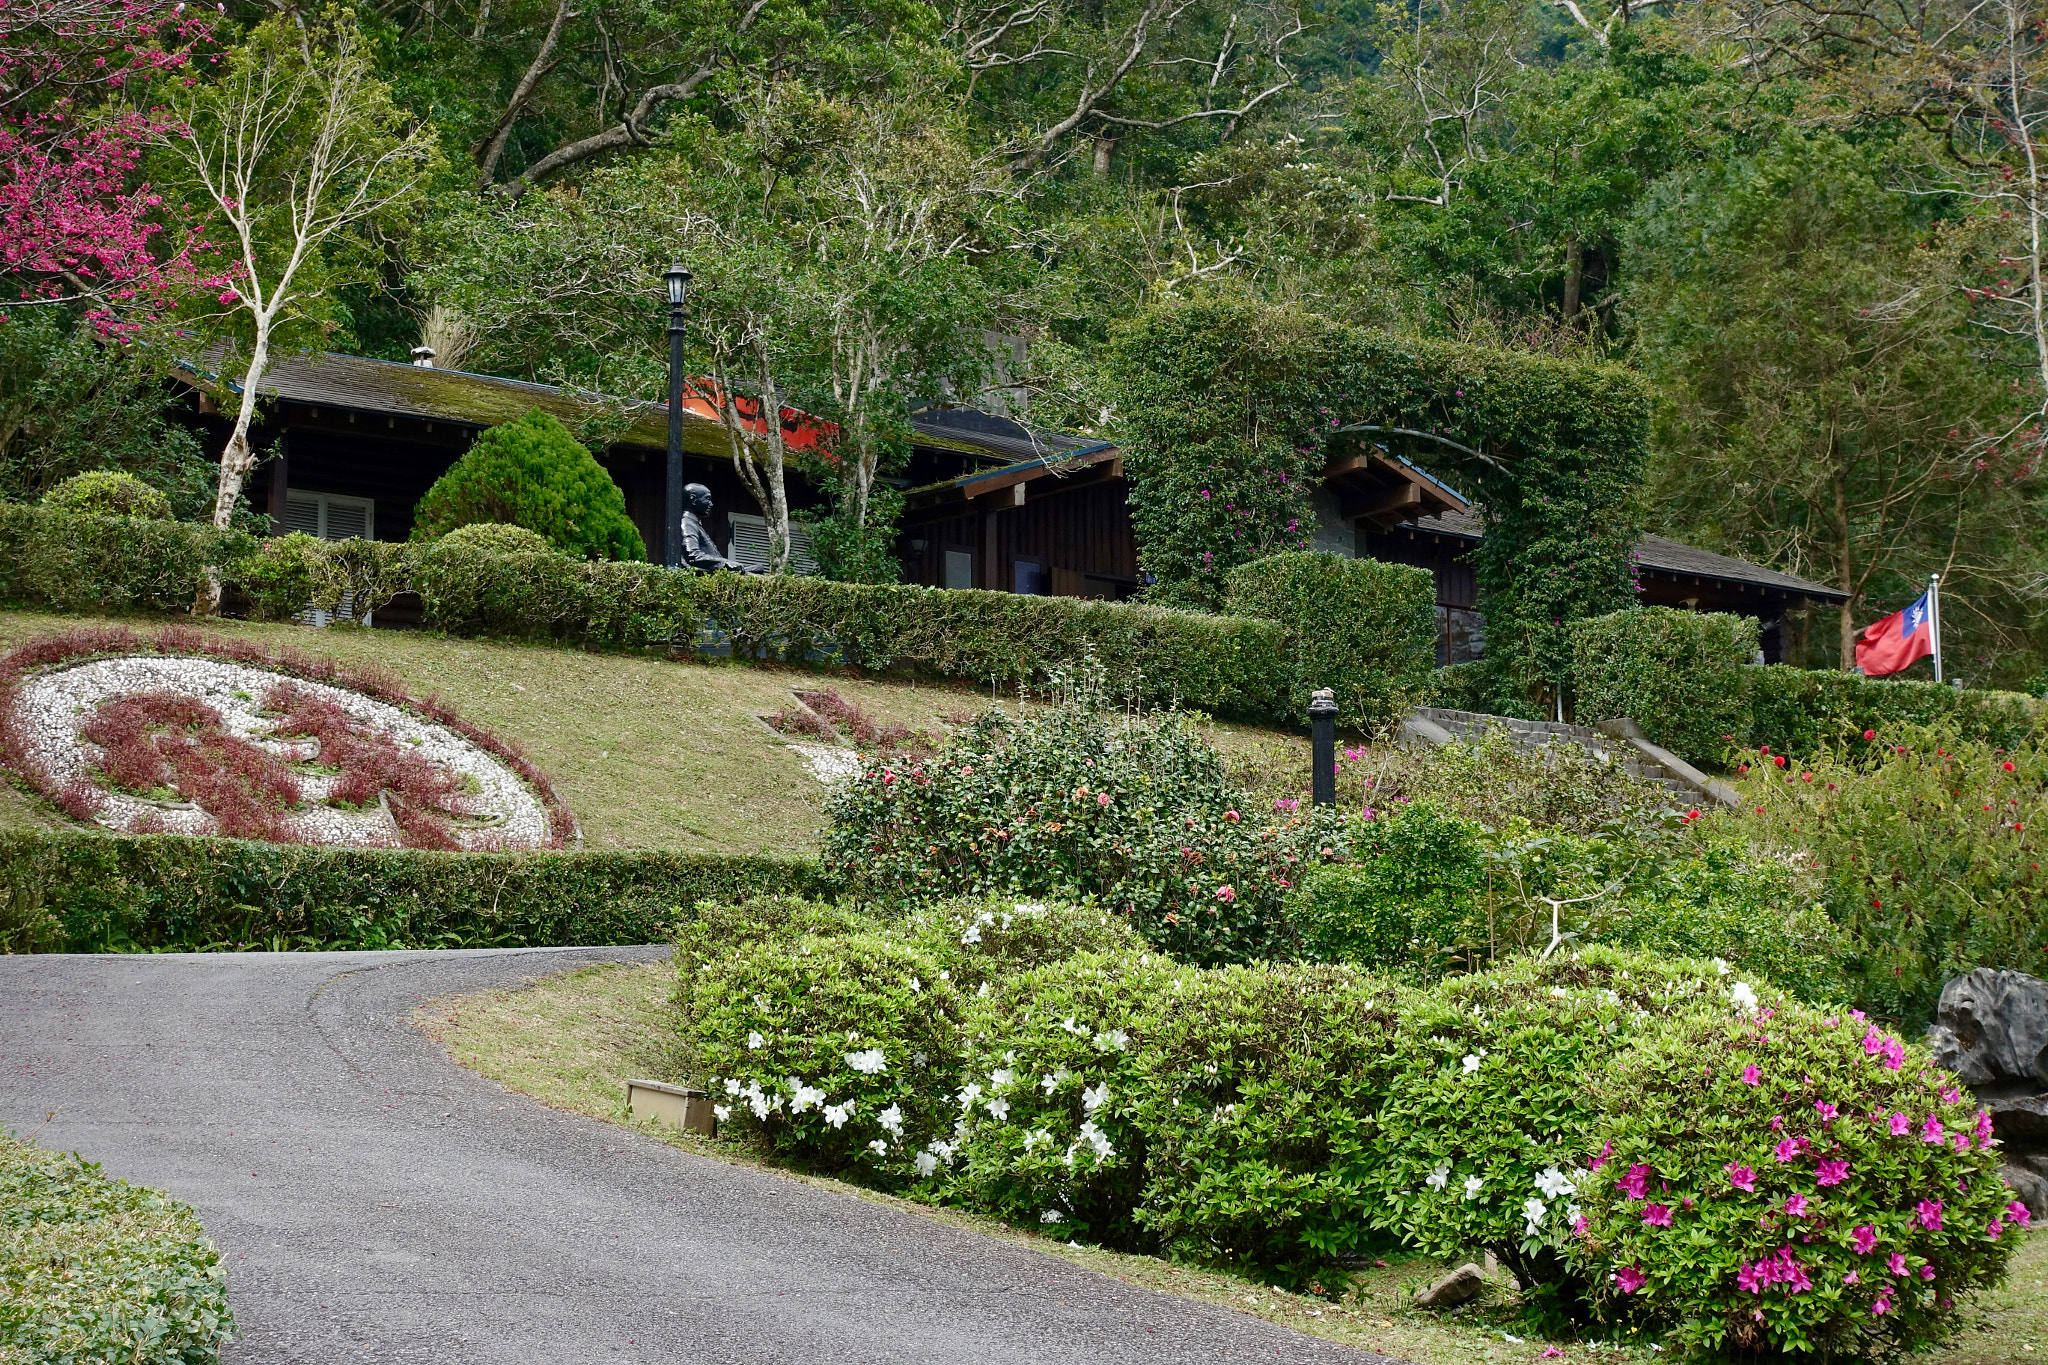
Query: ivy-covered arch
x=1228 y=409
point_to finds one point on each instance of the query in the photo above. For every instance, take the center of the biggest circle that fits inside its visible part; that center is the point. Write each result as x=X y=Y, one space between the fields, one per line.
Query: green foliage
x=1405 y=903
x=551 y=598
x=1069 y=802
x=109 y=493
x=1677 y=674
x=1212 y=382
x=1802 y=711
x=983 y=942
x=1790 y=1185
x=1364 y=629
x=79 y=562
x=1486 y=1125
x=1498 y=782
x=276 y=578
x=1263 y=1089
x=1055 y=1053
x=836 y=1049
x=113 y=894
x=532 y=473
x=93 y=1268
x=495 y=538
x=1926 y=849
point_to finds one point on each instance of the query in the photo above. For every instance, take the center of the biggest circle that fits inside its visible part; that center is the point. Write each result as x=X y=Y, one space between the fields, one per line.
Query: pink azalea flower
x=1996 y=1229
x=1636 y=1183
x=1930 y=1132
x=1787 y=1150
x=1930 y=1214
x=1777 y=1123
x=1741 y=1177
x=1983 y=1126
x=1898 y=1263
x=1828 y=1113
x=1579 y=1226
x=1796 y=1206
x=1831 y=1172
x=1894 y=1053
x=1961 y=1142
x=1926 y=1272
x=1606 y=1150
x=2019 y=1213
x=1882 y=1306
x=1951 y=1095
x=1851 y=1278
x=1751 y=1076
x=1628 y=1279
x=1657 y=1215
x=1873 y=1041
x=1901 y=1125
x=1866 y=1239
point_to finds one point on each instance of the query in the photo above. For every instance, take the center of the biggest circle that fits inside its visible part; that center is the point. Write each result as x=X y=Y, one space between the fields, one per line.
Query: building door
x=330 y=516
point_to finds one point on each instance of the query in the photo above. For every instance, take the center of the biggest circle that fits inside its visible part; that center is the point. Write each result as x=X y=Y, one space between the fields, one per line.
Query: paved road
x=377 y=1203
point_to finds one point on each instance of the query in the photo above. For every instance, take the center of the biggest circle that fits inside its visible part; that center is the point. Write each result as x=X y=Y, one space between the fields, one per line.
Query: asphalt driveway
x=377 y=1203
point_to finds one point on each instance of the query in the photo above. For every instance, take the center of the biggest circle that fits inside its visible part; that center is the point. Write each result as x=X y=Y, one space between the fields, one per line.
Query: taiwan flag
x=1896 y=641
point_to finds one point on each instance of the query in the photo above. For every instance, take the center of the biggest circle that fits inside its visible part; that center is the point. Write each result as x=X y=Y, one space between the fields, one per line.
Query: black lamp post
x=672 y=534
x=1322 y=720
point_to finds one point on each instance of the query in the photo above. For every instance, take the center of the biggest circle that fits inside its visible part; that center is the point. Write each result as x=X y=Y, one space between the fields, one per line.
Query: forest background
x=1816 y=230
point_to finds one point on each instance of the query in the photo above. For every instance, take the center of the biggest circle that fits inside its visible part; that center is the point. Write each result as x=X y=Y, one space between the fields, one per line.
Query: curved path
x=378 y=1203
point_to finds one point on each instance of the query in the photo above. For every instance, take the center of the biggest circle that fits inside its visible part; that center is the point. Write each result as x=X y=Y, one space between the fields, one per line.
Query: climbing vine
x=1223 y=393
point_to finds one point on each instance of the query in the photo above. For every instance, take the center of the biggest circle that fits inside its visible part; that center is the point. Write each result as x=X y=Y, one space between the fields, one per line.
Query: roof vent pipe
x=423 y=356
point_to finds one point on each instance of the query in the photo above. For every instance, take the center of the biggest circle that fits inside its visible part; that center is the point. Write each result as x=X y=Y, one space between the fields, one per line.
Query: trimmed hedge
x=96 y=1269
x=1797 y=710
x=80 y=562
x=1365 y=629
x=85 y=892
x=1678 y=674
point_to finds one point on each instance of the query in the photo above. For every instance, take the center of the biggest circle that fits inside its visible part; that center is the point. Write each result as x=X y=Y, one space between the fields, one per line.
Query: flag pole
x=1934 y=618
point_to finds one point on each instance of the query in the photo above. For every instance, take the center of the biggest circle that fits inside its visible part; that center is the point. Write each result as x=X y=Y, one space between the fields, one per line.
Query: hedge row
x=96 y=1269
x=87 y=892
x=1360 y=627
x=79 y=562
x=1683 y=677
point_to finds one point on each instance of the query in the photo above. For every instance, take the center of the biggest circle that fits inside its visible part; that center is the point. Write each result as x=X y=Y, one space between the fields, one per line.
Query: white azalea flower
x=1720 y=967
x=723 y=1111
x=1097 y=1139
x=915 y=985
x=999 y=1110
x=973 y=934
x=1001 y=1078
x=868 y=1063
x=1743 y=996
x=1035 y=1137
x=755 y=1040
x=1116 y=1040
x=892 y=1120
x=1532 y=1213
x=1052 y=1216
x=1094 y=1098
x=1439 y=1177
x=1473 y=1059
x=763 y=1105
x=969 y=1094
x=879 y=1147
x=1030 y=908
x=926 y=1163
x=1571 y=1213
x=1553 y=1182
x=1070 y=1026
x=1050 y=1081
x=982 y=993
x=805 y=1097
x=1559 y=991
x=732 y=1085
x=837 y=1114
x=1473 y=1185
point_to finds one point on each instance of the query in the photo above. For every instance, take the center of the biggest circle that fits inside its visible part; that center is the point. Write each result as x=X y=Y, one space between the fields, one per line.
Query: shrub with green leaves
x=82 y=562
x=1926 y=849
x=1495 y=781
x=1052 y=1085
x=1801 y=710
x=841 y=1051
x=1360 y=627
x=1075 y=803
x=1677 y=674
x=980 y=943
x=1776 y=1182
x=496 y=538
x=1404 y=903
x=1264 y=1089
x=109 y=493
x=276 y=579
x=1486 y=1130
x=93 y=1268
x=533 y=473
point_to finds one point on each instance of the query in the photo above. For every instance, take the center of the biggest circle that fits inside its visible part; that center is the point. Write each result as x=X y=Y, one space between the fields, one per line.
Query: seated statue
x=700 y=551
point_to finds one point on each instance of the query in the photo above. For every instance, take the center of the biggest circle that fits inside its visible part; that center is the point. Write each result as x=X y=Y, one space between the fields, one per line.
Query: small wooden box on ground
x=689 y=1110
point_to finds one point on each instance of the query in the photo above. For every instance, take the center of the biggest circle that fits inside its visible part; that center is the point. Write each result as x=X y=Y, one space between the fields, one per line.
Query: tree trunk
x=1574 y=276
x=237 y=458
x=1104 y=146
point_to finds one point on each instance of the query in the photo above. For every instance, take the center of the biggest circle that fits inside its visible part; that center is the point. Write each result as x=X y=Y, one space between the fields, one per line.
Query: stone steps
x=1437 y=723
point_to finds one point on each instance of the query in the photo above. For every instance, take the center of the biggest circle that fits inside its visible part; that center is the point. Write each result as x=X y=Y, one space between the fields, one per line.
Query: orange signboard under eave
x=800 y=430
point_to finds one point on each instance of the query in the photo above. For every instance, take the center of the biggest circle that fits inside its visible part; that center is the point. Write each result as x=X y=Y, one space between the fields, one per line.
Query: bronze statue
x=700 y=551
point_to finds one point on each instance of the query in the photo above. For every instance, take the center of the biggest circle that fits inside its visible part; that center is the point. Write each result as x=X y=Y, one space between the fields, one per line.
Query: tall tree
x=301 y=151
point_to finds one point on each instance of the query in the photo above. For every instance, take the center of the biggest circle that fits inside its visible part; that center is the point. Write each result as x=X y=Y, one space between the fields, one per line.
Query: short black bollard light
x=1322 y=718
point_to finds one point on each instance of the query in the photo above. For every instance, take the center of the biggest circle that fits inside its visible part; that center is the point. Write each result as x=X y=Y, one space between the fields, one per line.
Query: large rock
x=1460 y=1286
x=1991 y=1029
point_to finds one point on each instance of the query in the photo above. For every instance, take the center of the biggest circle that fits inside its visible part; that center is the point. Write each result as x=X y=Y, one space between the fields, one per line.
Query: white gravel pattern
x=53 y=706
x=829 y=763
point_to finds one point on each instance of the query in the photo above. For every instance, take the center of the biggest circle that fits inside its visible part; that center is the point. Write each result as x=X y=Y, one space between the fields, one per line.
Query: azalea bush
x=839 y=1050
x=1486 y=1129
x=1264 y=1089
x=1077 y=802
x=980 y=943
x=1925 y=848
x=1054 y=1078
x=1772 y=1180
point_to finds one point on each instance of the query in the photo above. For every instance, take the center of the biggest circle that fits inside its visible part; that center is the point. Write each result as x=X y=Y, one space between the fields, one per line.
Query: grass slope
x=648 y=753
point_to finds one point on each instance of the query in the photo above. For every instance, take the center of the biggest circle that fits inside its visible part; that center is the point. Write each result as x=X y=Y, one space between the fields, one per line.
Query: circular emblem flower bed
x=188 y=734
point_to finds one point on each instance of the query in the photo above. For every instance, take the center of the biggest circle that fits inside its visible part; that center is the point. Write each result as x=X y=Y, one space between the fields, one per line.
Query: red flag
x=1896 y=641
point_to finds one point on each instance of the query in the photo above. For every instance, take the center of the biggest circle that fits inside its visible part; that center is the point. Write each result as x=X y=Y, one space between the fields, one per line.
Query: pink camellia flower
x=1226 y=894
x=1931 y=1132
x=2019 y=1213
x=1102 y=798
x=1636 y=1183
x=1898 y=1263
x=1828 y=1113
x=1787 y=1150
x=1657 y=1215
x=1866 y=1239
x=1795 y=1206
x=1232 y=816
x=1751 y=1076
x=1628 y=1279
x=1831 y=1172
x=1741 y=1177
x=1901 y=1125
x=1930 y=1214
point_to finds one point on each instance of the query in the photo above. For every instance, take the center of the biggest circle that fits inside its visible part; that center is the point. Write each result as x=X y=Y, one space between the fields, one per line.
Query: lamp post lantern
x=672 y=533
x=1322 y=717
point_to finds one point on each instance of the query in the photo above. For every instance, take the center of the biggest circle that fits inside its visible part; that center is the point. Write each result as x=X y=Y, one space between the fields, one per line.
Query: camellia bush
x=1074 y=802
x=533 y=473
x=1772 y=1181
